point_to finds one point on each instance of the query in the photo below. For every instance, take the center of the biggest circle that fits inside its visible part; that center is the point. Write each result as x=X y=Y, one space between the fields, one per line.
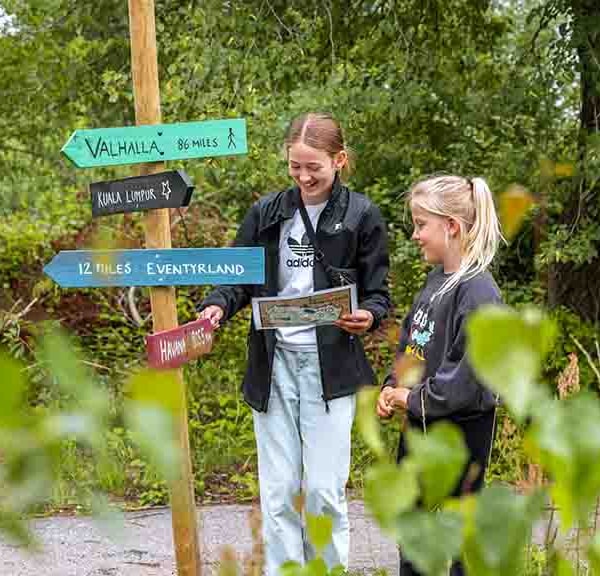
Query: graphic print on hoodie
x=421 y=332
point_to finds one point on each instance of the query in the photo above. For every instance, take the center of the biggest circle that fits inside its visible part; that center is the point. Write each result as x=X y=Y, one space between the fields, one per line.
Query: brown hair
x=319 y=130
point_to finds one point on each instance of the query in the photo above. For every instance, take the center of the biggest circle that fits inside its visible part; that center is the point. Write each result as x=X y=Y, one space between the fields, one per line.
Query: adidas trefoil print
x=303 y=251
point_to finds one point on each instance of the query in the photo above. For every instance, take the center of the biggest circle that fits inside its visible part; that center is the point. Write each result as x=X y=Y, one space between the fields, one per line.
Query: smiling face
x=313 y=170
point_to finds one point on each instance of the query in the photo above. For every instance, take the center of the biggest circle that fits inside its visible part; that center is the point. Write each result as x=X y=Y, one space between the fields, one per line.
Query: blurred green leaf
x=153 y=428
x=157 y=388
x=68 y=370
x=497 y=530
x=430 y=540
x=565 y=438
x=15 y=528
x=594 y=554
x=562 y=567
x=367 y=421
x=29 y=482
x=155 y=405
x=389 y=490
x=506 y=349
x=315 y=567
x=440 y=457
x=12 y=391
x=80 y=425
x=291 y=568
x=320 y=529
x=338 y=570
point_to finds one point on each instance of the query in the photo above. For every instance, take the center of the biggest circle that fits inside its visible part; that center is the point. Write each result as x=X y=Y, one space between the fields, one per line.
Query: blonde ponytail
x=471 y=204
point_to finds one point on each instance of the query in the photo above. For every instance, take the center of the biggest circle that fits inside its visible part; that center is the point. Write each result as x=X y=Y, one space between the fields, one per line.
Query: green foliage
x=367 y=422
x=510 y=370
x=400 y=494
x=594 y=554
x=485 y=93
x=12 y=392
x=491 y=530
x=572 y=331
x=34 y=442
x=565 y=438
x=498 y=527
x=439 y=459
x=429 y=540
x=320 y=529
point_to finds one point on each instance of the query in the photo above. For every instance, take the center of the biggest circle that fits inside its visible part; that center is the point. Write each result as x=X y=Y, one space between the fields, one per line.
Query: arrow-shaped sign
x=163 y=190
x=156 y=143
x=173 y=348
x=174 y=267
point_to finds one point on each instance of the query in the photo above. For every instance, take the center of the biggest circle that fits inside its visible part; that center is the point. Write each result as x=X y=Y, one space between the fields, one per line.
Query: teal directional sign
x=166 y=267
x=156 y=143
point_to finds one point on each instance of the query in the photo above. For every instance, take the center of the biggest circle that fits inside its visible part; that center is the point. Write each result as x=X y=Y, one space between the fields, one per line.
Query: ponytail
x=471 y=204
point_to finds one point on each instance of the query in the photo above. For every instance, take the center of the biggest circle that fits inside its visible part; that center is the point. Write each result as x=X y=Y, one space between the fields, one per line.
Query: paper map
x=321 y=307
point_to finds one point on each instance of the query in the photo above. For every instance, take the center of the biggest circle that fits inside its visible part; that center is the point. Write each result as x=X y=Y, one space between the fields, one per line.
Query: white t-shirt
x=296 y=263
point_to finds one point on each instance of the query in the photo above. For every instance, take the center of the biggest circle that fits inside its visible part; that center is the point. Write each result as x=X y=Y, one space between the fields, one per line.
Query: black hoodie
x=434 y=332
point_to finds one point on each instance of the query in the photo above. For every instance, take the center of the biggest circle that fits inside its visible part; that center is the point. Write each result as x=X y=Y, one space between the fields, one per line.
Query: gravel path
x=76 y=546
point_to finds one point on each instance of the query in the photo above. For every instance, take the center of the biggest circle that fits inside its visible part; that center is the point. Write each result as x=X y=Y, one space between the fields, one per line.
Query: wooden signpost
x=172 y=267
x=173 y=348
x=163 y=190
x=144 y=71
x=156 y=143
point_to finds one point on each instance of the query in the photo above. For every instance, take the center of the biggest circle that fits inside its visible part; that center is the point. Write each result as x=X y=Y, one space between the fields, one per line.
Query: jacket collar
x=289 y=201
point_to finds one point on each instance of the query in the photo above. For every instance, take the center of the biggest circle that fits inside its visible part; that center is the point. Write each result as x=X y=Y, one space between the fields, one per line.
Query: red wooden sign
x=172 y=348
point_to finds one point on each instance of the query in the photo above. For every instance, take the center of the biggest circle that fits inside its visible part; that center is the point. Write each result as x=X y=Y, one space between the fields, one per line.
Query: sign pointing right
x=171 y=189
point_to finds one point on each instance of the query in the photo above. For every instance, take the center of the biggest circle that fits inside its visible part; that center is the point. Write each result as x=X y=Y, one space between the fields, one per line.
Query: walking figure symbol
x=231 y=141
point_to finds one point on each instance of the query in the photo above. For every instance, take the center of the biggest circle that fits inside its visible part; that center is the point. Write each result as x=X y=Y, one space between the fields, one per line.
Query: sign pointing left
x=164 y=267
x=156 y=143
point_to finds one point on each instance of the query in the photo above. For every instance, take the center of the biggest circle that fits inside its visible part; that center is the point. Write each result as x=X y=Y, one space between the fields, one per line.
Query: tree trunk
x=578 y=285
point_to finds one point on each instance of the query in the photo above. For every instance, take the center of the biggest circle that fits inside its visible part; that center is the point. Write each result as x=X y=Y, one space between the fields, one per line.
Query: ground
x=76 y=546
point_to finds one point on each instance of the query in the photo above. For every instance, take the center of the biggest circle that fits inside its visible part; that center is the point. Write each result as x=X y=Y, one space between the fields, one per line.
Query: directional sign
x=156 y=143
x=173 y=348
x=175 y=267
x=163 y=190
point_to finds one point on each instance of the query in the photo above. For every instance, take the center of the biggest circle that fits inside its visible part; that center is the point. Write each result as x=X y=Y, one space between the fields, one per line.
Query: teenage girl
x=301 y=382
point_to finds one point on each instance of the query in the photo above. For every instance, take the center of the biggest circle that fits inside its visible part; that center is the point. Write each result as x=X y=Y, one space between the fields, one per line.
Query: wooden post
x=144 y=68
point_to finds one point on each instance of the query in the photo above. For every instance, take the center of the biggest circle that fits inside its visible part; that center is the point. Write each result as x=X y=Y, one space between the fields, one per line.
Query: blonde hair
x=470 y=203
x=322 y=131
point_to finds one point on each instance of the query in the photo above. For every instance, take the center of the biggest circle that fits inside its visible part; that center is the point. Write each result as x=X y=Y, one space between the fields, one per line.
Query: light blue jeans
x=297 y=440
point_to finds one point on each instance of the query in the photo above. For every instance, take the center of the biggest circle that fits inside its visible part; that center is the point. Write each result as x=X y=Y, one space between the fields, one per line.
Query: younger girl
x=456 y=227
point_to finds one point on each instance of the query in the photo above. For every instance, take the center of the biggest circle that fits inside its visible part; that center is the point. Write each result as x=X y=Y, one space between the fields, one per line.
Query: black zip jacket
x=352 y=235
